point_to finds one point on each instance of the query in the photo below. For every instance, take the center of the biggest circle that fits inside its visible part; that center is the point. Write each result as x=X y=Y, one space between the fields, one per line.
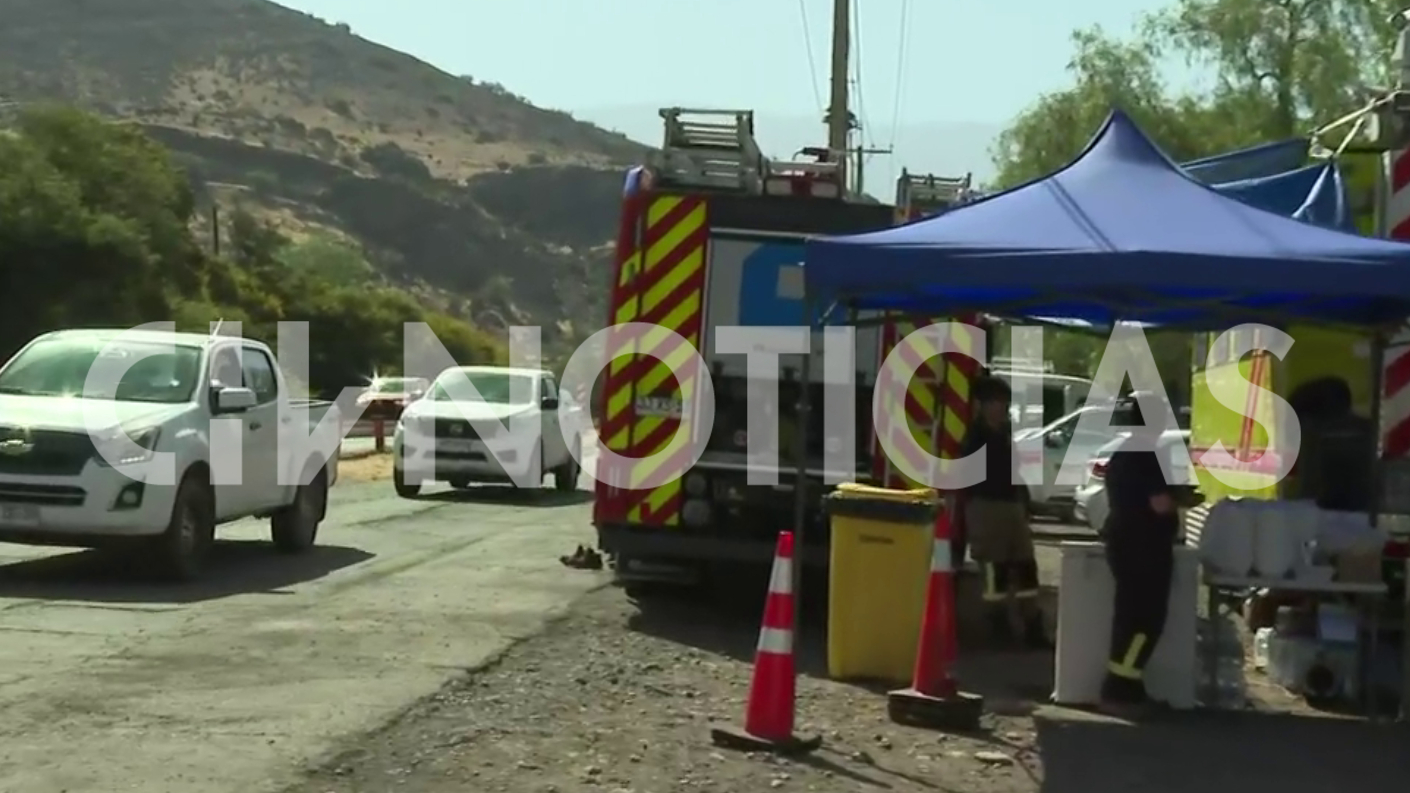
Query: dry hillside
x=457 y=184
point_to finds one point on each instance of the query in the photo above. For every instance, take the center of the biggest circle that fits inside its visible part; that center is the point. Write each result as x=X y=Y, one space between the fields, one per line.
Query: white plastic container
x=1228 y=541
x=1085 y=597
x=1282 y=530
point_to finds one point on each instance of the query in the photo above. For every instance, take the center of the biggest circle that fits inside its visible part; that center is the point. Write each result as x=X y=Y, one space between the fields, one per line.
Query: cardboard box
x=1359 y=567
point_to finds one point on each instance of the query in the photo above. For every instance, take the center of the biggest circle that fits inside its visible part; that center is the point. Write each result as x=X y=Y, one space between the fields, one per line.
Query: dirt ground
x=372 y=468
x=619 y=697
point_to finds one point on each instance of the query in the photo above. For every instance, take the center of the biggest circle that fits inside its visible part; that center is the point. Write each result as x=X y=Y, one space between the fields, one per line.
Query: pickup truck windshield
x=59 y=367
x=493 y=387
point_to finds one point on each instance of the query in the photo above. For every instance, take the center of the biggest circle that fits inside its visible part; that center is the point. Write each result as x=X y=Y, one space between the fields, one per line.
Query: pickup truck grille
x=54 y=495
x=455 y=428
x=54 y=453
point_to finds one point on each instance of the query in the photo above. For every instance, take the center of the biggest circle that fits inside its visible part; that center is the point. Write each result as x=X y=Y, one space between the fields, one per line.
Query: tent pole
x=857 y=474
x=1378 y=347
x=800 y=471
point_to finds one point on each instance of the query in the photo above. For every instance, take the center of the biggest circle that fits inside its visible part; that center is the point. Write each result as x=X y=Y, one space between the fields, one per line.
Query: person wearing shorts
x=996 y=523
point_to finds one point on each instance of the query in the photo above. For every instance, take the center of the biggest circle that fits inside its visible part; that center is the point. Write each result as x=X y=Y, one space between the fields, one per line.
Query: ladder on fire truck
x=918 y=195
x=716 y=150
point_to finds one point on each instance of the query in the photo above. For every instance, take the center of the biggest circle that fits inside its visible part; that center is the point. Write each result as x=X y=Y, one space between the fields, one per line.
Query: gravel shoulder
x=618 y=697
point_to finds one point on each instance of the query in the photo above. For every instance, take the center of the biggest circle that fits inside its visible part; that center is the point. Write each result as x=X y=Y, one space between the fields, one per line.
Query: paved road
x=111 y=684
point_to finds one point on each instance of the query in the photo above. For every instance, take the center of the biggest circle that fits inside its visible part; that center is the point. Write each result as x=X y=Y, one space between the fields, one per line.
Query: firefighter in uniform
x=996 y=520
x=1140 y=532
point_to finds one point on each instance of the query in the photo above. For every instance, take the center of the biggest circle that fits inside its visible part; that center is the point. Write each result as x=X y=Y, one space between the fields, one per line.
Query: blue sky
x=965 y=67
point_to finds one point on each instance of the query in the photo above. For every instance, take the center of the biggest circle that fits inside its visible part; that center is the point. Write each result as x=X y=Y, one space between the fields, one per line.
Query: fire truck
x=926 y=195
x=711 y=235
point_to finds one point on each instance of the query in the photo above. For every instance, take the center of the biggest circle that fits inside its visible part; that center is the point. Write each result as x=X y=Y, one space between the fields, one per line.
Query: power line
x=865 y=148
x=898 y=92
x=808 y=47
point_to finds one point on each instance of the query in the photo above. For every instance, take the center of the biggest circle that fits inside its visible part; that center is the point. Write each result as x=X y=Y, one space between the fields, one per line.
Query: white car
x=80 y=457
x=1041 y=455
x=1043 y=452
x=489 y=424
x=1091 y=505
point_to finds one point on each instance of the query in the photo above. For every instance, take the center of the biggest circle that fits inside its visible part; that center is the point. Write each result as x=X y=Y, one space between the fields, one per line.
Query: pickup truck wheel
x=295 y=527
x=404 y=488
x=183 y=548
x=565 y=476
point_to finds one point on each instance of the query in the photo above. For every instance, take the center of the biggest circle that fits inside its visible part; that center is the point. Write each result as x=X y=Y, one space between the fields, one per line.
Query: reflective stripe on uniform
x=1126 y=667
x=776 y=641
x=991 y=582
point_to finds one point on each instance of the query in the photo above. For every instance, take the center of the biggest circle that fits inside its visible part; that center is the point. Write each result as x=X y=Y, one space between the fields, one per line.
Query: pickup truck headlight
x=112 y=450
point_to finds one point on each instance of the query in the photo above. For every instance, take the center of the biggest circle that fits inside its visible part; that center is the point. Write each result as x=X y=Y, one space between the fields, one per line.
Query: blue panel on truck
x=771 y=286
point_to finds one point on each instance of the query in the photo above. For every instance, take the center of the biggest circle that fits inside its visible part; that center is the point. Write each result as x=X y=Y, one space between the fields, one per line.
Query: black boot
x=1123 y=698
x=1001 y=630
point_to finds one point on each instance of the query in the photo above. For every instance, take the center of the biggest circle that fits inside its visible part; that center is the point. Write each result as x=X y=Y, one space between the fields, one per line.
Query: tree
x=96 y=231
x=1280 y=67
x=1107 y=73
x=1282 y=64
x=94 y=226
x=327 y=259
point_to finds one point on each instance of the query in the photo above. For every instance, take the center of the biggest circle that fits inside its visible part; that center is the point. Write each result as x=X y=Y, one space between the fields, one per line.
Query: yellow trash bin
x=879 y=568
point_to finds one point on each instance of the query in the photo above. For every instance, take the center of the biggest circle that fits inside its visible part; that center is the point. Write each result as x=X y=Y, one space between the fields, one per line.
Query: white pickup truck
x=489 y=424
x=123 y=437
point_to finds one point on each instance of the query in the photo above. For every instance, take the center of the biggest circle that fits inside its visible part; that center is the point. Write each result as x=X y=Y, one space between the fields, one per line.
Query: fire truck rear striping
x=917 y=414
x=1395 y=371
x=668 y=294
x=937 y=397
x=960 y=371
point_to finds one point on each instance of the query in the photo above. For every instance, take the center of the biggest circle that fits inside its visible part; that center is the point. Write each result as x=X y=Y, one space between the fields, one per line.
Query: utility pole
x=861 y=153
x=839 y=117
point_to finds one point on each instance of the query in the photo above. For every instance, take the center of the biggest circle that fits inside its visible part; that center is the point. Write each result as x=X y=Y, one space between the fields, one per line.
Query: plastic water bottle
x=1229 y=686
x=1261 y=655
x=1232 y=686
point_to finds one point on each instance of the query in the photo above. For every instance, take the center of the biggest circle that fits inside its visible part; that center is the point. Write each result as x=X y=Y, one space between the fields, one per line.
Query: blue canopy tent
x=1274 y=177
x=1315 y=194
x=1255 y=162
x=1120 y=234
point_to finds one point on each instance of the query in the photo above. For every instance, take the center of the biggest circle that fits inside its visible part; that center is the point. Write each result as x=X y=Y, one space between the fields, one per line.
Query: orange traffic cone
x=934 y=700
x=768 y=717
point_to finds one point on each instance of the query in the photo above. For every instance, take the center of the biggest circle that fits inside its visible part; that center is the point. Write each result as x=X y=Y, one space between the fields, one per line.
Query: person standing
x=1140 y=533
x=1335 y=466
x=996 y=521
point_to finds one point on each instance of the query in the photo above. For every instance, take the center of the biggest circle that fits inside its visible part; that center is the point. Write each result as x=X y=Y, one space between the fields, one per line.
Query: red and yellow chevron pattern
x=908 y=414
x=661 y=283
x=960 y=373
x=935 y=411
